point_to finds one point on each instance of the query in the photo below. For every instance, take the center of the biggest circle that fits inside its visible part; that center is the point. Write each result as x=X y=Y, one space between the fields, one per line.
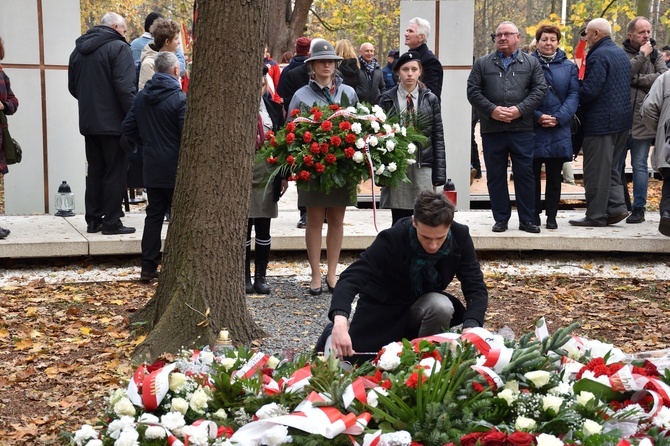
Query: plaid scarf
x=422 y=270
x=369 y=67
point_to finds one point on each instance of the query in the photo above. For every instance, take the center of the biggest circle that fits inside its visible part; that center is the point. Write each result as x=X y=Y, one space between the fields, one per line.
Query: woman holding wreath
x=325 y=87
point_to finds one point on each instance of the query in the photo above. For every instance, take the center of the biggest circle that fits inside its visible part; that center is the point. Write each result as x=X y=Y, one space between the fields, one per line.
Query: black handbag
x=12 y=149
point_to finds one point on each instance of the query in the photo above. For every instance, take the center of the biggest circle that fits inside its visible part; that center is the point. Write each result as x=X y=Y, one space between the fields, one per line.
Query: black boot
x=260 y=269
x=248 y=286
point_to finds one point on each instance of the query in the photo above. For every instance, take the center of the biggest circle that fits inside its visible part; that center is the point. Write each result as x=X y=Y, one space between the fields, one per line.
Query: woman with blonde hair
x=349 y=67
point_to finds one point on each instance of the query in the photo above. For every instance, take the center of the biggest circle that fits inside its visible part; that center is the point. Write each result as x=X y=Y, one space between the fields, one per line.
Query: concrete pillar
x=452 y=28
x=39 y=36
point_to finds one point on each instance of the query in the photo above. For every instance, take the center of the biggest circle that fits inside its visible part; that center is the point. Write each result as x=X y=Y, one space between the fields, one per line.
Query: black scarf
x=422 y=270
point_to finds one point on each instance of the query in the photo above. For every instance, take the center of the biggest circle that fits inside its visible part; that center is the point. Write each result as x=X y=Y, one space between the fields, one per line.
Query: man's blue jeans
x=639 y=155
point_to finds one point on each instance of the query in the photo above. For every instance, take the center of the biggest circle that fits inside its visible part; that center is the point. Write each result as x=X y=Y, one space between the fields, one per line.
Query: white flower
x=539 y=377
x=124 y=407
x=396 y=127
x=179 y=405
x=390 y=359
x=115 y=396
x=148 y=418
x=356 y=127
x=430 y=363
x=206 y=357
x=360 y=143
x=199 y=400
x=548 y=440
x=508 y=395
x=86 y=432
x=646 y=441
x=276 y=435
x=227 y=363
x=363 y=109
x=173 y=420
x=351 y=109
x=373 y=395
x=524 y=424
x=411 y=148
x=513 y=385
x=380 y=169
x=387 y=128
x=220 y=414
x=400 y=438
x=117 y=426
x=271 y=410
x=563 y=388
x=390 y=145
x=552 y=402
x=633 y=412
x=358 y=157
x=154 y=432
x=591 y=427
x=128 y=437
x=392 y=167
x=272 y=363
x=197 y=435
x=403 y=131
x=373 y=141
x=410 y=161
x=600 y=349
x=177 y=380
x=584 y=397
x=662 y=418
x=95 y=442
x=375 y=126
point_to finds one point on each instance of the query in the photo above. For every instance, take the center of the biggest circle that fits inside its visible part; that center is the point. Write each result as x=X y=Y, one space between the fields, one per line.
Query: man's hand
x=340 y=340
x=505 y=114
x=646 y=49
x=284 y=187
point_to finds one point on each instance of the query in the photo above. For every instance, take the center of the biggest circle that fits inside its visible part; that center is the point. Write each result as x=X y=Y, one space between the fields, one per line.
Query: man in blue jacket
x=155 y=122
x=607 y=117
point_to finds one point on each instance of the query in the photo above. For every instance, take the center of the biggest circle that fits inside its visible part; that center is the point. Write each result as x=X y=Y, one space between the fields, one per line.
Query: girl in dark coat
x=8 y=105
x=553 y=139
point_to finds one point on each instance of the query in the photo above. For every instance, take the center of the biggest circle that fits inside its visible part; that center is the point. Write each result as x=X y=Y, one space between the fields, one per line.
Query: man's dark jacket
x=432 y=69
x=155 y=123
x=296 y=61
x=381 y=278
x=604 y=97
x=101 y=76
x=294 y=80
x=521 y=85
x=369 y=88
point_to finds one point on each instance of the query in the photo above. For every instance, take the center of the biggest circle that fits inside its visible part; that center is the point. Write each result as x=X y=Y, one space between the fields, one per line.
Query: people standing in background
x=415 y=38
x=138 y=44
x=166 y=37
x=349 y=67
x=387 y=71
x=8 y=105
x=371 y=79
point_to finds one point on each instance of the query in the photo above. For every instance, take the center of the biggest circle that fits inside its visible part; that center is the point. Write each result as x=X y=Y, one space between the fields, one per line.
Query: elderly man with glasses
x=505 y=87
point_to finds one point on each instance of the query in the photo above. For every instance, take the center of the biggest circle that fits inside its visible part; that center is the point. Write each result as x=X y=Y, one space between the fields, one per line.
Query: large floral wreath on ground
x=474 y=388
x=323 y=148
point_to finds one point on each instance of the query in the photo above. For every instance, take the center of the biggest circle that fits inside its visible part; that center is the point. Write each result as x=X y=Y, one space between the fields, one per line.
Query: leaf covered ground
x=63 y=347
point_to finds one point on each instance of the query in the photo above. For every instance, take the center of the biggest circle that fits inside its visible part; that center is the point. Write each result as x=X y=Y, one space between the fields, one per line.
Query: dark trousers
x=552 y=191
x=160 y=200
x=105 y=180
x=665 y=190
x=519 y=147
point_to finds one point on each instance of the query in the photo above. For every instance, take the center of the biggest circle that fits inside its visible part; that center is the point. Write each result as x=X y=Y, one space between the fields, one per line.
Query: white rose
x=411 y=148
x=646 y=441
x=358 y=157
x=373 y=141
x=430 y=363
x=513 y=385
x=360 y=143
x=276 y=435
x=393 y=167
x=591 y=427
x=539 y=377
x=173 y=420
x=380 y=169
x=585 y=397
x=124 y=407
x=356 y=127
x=199 y=400
x=548 y=440
x=206 y=357
x=508 y=395
x=177 y=380
x=272 y=363
x=220 y=414
x=387 y=128
x=179 y=405
x=227 y=363
x=561 y=389
x=86 y=432
x=154 y=432
x=410 y=161
x=524 y=424
x=375 y=126
x=390 y=145
x=552 y=402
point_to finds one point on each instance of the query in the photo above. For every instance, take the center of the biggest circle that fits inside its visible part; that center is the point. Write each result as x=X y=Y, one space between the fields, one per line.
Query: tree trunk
x=643 y=8
x=285 y=24
x=201 y=286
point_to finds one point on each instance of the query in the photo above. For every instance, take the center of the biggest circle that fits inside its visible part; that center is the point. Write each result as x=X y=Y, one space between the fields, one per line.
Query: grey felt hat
x=322 y=50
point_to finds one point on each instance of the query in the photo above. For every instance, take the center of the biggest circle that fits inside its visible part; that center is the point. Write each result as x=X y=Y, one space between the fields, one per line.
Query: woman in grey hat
x=325 y=87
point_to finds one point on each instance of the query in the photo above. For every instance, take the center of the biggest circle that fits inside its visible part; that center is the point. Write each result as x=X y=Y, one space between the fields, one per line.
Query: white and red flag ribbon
x=255 y=363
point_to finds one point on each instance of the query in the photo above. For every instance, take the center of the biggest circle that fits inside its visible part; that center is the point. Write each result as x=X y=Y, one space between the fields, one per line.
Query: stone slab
x=35 y=236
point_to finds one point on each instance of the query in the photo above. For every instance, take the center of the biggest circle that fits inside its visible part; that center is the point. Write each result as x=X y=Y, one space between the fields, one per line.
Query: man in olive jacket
x=400 y=280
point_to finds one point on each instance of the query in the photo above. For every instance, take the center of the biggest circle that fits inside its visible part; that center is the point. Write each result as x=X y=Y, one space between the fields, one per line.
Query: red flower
x=290 y=127
x=335 y=141
x=308 y=160
x=521 y=439
x=494 y=438
x=326 y=126
x=318 y=115
x=323 y=148
x=477 y=387
x=307 y=137
x=314 y=148
x=349 y=152
x=313 y=110
x=272 y=160
x=290 y=160
x=290 y=137
x=334 y=107
x=330 y=158
x=387 y=384
x=304 y=175
x=295 y=112
x=319 y=167
x=350 y=138
x=269 y=135
x=471 y=439
x=413 y=380
x=224 y=431
x=345 y=125
x=273 y=142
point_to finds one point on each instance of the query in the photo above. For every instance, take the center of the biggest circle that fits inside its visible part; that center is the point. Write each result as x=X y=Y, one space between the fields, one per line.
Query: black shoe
x=148 y=276
x=664 y=225
x=637 y=216
x=302 y=223
x=316 y=291
x=614 y=219
x=261 y=285
x=3 y=234
x=93 y=227
x=248 y=286
x=331 y=289
x=586 y=221
x=500 y=226
x=551 y=223
x=5 y=231
x=529 y=226
x=119 y=231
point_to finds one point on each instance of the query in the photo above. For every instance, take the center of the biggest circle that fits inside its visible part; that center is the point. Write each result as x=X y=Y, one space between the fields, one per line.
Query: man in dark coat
x=155 y=122
x=101 y=76
x=607 y=117
x=285 y=90
x=415 y=38
x=370 y=77
x=400 y=280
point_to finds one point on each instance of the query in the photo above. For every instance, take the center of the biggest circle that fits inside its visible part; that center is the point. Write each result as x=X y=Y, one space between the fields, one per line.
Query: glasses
x=501 y=35
x=583 y=33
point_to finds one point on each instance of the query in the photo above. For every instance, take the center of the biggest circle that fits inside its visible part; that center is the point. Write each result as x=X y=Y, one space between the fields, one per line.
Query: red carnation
x=521 y=439
x=304 y=175
x=273 y=142
x=330 y=158
x=308 y=160
x=387 y=384
x=272 y=160
x=307 y=137
x=350 y=138
x=224 y=431
x=269 y=135
x=345 y=125
x=335 y=141
x=477 y=387
x=290 y=127
x=314 y=148
x=319 y=167
x=334 y=107
x=326 y=126
x=349 y=152
x=494 y=438
x=323 y=147
x=290 y=137
x=313 y=110
x=413 y=380
x=317 y=115
x=290 y=160
x=295 y=112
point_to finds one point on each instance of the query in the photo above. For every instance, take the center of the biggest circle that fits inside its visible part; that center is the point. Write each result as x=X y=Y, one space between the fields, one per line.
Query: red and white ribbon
x=298 y=380
x=155 y=386
x=491 y=377
x=356 y=391
x=134 y=391
x=255 y=363
x=438 y=338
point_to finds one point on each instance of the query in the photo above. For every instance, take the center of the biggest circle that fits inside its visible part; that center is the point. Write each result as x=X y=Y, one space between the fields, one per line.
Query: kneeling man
x=400 y=280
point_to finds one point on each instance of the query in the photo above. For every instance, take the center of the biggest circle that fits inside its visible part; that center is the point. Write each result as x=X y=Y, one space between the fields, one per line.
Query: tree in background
x=286 y=22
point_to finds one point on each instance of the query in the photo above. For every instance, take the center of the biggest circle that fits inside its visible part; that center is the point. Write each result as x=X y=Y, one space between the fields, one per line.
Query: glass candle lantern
x=64 y=201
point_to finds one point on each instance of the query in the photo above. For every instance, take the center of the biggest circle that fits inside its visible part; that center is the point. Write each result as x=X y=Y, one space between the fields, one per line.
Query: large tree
x=286 y=22
x=201 y=286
